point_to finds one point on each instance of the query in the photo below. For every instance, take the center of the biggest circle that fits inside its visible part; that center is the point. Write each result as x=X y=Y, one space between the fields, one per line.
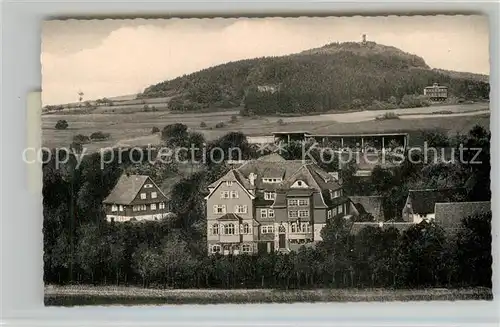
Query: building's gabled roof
x=273 y=157
x=424 y=201
x=126 y=189
x=274 y=166
x=370 y=204
x=450 y=215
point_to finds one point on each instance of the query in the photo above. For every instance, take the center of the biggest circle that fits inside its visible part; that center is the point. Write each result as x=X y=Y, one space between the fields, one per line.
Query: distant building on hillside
x=450 y=215
x=436 y=92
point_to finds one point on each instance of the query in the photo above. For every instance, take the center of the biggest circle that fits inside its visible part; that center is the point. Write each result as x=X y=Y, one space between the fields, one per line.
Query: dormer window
x=299 y=184
x=272 y=180
x=269 y=195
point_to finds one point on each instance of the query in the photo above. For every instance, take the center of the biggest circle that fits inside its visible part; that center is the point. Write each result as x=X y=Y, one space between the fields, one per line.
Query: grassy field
x=134 y=129
x=102 y=295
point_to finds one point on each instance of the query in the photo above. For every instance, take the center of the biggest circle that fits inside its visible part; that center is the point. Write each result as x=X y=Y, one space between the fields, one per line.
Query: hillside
x=337 y=76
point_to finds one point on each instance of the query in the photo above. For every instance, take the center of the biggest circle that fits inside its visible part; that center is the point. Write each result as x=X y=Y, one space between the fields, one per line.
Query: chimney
x=252 y=177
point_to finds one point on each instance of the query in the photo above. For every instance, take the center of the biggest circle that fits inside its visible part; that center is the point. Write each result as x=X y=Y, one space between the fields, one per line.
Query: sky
x=106 y=58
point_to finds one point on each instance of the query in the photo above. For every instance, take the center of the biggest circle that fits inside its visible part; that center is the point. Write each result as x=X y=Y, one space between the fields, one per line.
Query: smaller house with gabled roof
x=136 y=197
x=420 y=204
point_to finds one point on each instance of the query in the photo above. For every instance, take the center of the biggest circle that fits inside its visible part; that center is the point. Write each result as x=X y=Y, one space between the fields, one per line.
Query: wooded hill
x=337 y=76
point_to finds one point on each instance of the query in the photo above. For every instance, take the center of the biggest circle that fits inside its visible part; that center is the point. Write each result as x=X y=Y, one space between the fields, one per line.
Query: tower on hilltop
x=364 y=39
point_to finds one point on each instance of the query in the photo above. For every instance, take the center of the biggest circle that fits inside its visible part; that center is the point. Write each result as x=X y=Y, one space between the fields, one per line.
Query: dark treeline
x=341 y=78
x=80 y=247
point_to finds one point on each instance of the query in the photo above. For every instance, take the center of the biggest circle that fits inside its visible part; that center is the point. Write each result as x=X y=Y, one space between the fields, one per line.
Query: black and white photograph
x=265 y=160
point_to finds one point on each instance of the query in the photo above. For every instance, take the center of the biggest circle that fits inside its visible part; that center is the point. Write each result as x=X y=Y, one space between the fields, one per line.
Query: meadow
x=109 y=295
x=134 y=129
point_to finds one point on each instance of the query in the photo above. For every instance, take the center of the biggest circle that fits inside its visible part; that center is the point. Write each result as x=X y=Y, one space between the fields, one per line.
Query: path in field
x=367 y=115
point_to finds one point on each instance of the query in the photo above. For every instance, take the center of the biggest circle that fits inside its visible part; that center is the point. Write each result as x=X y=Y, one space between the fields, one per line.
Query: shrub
x=99 y=136
x=61 y=124
x=220 y=125
x=203 y=124
x=155 y=130
x=234 y=119
x=281 y=122
x=146 y=108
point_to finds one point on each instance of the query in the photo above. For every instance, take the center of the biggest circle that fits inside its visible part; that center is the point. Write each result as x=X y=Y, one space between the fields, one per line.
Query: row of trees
x=157 y=254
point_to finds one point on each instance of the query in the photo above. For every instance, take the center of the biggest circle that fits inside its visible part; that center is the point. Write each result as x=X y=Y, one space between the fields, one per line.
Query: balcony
x=300 y=236
x=230 y=238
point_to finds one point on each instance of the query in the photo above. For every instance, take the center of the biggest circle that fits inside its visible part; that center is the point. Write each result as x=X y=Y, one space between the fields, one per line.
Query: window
x=246 y=228
x=293 y=227
x=143 y=196
x=334 y=211
x=153 y=206
x=148 y=185
x=269 y=229
x=219 y=209
x=245 y=248
x=270 y=213
x=114 y=208
x=214 y=230
x=234 y=195
x=269 y=195
x=263 y=213
x=299 y=184
x=120 y=208
x=303 y=202
x=216 y=248
x=329 y=213
x=272 y=180
x=303 y=213
x=161 y=205
x=305 y=228
x=240 y=208
x=293 y=214
x=229 y=183
x=224 y=194
x=229 y=229
x=154 y=195
x=340 y=209
x=292 y=202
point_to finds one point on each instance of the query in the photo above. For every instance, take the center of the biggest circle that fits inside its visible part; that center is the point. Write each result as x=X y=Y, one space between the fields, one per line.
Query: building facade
x=136 y=197
x=271 y=204
x=436 y=92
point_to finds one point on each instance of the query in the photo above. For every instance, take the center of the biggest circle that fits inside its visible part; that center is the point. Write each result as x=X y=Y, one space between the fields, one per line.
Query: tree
x=203 y=124
x=473 y=250
x=61 y=124
x=419 y=249
x=174 y=134
x=234 y=119
x=155 y=130
x=382 y=180
x=80 y=97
